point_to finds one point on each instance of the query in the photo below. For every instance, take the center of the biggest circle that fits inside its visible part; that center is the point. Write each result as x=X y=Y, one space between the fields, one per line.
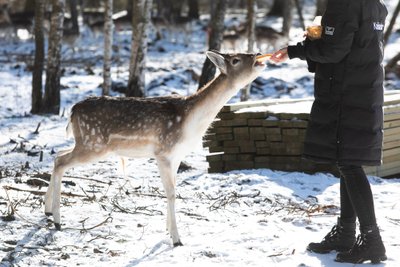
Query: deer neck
x=208 y=101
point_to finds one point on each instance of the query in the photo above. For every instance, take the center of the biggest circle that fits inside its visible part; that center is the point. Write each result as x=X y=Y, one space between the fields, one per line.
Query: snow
x=255 y=217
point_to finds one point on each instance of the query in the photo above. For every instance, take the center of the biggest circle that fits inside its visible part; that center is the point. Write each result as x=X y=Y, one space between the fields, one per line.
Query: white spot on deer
x=86 y=140
x=93 y=132
x=178 y=119
x=170 y=123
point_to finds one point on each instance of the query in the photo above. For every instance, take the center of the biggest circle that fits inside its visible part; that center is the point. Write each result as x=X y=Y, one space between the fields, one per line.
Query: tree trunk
x=140 y=21
x=300 y=14
x=287 y=16
x=215 y=40
x=39 y=58
x=177 y=6
x=321 y=6
x=193 y=9
x=277 y=8
x=165 y=10
x=73 y=6
x=391 y=24
x=108 y=40
x=251 y=25
x=391 y=65
x=53 y=73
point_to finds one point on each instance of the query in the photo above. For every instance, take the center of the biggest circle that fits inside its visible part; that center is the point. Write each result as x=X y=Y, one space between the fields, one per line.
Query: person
x=346 y=120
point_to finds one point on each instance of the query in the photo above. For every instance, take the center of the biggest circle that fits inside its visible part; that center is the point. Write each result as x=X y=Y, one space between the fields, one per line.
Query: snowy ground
x=253 y=217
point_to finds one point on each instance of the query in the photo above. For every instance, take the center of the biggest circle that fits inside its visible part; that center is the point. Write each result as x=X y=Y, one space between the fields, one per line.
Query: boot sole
x=378 y=260
x=328 y=251
x=375 y=260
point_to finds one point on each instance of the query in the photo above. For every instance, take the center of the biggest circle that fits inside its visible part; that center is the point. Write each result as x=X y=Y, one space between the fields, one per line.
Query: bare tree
x=4 y=16
x=177 y=6
x=251 y=40
x=108 y=40
x=391 y=24
x=53 y=72
x=300 y=13
x=283 y=8
x=39 y=58
x=193 y=9
x=215 y=40
x=140 y=21
x=287 y=16
x=73 y=6
x=277 y=8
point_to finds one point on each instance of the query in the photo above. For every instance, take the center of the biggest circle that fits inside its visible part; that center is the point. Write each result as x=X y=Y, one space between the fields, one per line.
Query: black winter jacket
x=346 y=120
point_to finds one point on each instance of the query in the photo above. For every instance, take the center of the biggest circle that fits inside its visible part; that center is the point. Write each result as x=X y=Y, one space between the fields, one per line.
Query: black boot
x=341 y=238
x=369 y=247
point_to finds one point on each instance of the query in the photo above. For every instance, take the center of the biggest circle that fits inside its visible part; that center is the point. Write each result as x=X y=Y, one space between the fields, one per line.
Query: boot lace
x=360 y=243
x=333 y=234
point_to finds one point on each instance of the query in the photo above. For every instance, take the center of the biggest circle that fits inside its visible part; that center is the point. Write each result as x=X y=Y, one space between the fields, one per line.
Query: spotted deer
x=164 y=128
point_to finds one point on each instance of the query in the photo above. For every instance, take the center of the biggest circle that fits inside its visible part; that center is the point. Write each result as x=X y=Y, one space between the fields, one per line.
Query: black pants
x=356 y=198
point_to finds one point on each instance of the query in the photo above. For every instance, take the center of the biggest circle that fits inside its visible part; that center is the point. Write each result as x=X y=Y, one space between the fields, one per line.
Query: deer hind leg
x=168 y=173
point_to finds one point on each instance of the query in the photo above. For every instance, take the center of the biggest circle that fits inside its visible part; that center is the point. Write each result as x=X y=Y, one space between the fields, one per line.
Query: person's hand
x=280 y=56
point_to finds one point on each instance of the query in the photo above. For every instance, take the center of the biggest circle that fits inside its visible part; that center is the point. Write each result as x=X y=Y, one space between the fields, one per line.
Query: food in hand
x=314 y=32
x=263 y=57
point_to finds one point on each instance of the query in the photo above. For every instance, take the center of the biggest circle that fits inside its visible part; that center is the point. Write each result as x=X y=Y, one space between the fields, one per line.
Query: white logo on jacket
x=379 y=26
x=329 y=30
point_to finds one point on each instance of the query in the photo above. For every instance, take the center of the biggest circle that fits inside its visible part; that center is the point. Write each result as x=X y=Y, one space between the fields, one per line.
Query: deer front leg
x=48 y=199
x=168 y=172
x=52 y=197
x=63 y=161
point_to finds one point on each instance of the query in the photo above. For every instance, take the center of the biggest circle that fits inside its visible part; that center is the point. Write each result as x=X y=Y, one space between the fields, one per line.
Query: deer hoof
x=178 y=244
x=48 y=214
x=58 y=226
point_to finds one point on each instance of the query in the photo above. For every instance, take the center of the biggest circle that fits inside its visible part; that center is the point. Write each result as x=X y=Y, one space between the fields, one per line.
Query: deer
x=165 y=128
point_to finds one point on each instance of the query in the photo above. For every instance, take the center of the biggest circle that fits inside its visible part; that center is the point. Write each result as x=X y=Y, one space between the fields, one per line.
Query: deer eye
x=235 y=61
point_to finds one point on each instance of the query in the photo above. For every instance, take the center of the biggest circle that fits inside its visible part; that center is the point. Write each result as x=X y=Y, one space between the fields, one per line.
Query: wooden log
x=392 y=131
x=391 y=124
x=222 y=130
x=216 y=157
x=231 y=150
x=223 y=137
x=391 y=116
x=389 y=145
x=231 y=123
x=255 y=122
x=229 y=157
x=257 y=133
x=241 y=133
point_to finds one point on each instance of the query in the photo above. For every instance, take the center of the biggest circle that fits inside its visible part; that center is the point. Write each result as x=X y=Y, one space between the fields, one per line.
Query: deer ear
x=218 y=60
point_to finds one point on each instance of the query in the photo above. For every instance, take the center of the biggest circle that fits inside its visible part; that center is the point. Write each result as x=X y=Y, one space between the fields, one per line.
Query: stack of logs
x=270 y=134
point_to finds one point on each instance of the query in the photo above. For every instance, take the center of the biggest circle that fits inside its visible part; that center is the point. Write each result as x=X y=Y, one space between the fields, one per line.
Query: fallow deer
x=164 y=128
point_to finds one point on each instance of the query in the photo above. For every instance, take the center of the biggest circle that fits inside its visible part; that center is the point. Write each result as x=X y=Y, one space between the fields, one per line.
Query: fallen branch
x=88 y=179
x=39 y=193
x=83 y=229
x=137 y=210
x=224 y=200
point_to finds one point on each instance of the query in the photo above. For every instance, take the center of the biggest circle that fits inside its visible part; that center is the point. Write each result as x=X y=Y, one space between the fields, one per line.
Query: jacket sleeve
x=339 y=23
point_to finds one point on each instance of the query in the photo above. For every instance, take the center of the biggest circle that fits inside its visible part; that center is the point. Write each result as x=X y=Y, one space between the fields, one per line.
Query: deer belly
x=132 y=146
